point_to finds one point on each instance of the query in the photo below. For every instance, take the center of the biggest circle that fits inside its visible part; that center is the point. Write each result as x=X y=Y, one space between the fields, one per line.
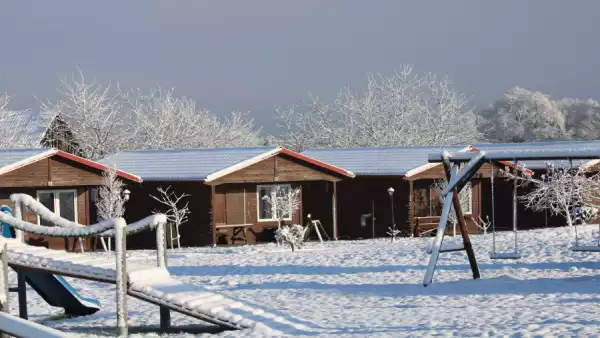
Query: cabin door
x=235 y=206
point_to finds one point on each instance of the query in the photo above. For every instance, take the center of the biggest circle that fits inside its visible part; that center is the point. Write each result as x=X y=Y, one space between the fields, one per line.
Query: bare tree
x=177 y=213
x=164 y=121
x=560 y=190
x=4 y=100
x=282 y=202
x=402 y=109
x=93 y=115
x=110 y=202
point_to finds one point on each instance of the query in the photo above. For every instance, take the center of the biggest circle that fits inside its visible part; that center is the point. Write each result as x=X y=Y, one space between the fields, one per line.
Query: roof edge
x=52 y=152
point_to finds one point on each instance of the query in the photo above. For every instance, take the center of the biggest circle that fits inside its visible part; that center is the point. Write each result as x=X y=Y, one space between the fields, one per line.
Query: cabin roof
x=24 y=128
x=201 y=164
x=15 y=158
x=398 y=161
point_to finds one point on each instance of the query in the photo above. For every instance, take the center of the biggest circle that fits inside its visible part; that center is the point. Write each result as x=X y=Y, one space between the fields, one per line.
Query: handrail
x=87 y=231
x=150 y=222
x=19 y=327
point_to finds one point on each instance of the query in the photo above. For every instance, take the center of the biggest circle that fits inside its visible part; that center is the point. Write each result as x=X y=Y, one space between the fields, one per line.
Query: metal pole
x=373 y=217
x=515 y=208
x=493 y=211
x=393 y=218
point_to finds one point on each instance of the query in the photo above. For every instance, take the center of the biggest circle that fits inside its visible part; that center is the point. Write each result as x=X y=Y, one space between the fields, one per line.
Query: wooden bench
x=236 y=230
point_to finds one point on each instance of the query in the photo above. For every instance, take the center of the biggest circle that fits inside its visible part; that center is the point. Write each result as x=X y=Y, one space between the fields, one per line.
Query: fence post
x=4 y=276
x=161 y=252
x=19 y=216
x=121 y=269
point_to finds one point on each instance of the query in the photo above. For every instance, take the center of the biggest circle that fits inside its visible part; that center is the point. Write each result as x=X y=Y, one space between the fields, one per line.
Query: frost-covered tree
x=292 y=235
x=282 y=202
x=402 y=109
x=177 y=212
x=93 y=114
x=560 y=190
x=583 y=118
x=4 y=100
x=163 y=121
x=523 y=116
x=110 y=202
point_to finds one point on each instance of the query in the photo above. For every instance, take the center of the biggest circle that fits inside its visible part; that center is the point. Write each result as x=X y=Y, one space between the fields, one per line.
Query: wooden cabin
x=416 y=206
x=61 y=181
x=226 y=188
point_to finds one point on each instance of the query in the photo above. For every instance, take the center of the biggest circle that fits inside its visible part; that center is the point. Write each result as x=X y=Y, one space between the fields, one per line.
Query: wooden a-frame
x=456 y=181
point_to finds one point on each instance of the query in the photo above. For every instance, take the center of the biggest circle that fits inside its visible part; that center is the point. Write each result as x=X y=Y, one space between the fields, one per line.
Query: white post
x=121 y=267
x=161 y=252
x=334 y=211
x=4 y=296
x=19 y=216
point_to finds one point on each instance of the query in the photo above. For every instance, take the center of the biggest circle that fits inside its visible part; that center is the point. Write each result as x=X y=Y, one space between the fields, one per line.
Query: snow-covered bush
x=584 y=214
x=293 y=235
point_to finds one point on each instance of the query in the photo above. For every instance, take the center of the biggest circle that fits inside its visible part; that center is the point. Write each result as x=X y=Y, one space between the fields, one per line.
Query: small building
x=61 y=181
x=28 y=129
x=226 y=188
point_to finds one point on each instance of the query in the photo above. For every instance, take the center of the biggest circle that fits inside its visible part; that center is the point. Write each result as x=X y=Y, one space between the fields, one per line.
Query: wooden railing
x=63 y=228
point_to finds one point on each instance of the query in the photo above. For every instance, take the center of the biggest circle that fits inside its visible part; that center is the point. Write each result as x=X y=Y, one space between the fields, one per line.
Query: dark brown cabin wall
x=33 y=175
x=355 y=198
x=195 y=232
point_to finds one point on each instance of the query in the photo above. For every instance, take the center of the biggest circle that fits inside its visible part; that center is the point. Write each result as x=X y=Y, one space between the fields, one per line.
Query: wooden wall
x=357 y=196
x=47 y=174
x=196 y=232
x=280 y=168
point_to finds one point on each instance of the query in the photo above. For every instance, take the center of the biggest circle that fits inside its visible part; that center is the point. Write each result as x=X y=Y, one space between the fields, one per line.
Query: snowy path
x=373 y=288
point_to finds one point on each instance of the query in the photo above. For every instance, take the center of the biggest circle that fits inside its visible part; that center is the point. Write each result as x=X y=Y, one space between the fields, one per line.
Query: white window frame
x=57 y=202
x=273 y=211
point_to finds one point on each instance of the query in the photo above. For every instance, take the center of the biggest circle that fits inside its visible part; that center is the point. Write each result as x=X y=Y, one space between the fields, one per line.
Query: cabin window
x=61 y=202
x=428 y=199
x=268 y=211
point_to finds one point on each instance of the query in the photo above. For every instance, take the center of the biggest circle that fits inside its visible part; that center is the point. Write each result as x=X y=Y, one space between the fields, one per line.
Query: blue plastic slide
x=55 y=290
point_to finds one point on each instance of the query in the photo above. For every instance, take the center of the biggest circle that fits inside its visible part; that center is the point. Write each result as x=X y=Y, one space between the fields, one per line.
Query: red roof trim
x=97 y=165
x=317 y=163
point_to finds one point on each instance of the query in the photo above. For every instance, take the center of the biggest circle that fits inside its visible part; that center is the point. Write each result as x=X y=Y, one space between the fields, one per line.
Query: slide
x=55 y=290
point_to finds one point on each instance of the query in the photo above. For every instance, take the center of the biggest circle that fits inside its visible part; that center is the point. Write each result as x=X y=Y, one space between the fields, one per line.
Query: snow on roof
x=391 y=161
x=9 y=157
x=200 y=164
x=24 y=128
x=181 y=164
x=14 y=158
x=380 y=161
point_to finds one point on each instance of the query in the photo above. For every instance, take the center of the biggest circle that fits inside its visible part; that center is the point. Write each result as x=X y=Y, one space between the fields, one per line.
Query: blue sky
x=253 y=55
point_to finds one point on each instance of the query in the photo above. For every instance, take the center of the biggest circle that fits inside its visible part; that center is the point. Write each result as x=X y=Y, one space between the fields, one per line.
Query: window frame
x=273 y=207
x=56 y=193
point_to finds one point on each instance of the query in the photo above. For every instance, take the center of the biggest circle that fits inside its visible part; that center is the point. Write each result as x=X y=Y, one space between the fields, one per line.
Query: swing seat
x=586 y=248
x=505 y=255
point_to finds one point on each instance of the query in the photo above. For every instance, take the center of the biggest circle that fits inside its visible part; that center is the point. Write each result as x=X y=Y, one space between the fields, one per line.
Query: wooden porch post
x=212 y=215
x=411 y=208
x=334 y=210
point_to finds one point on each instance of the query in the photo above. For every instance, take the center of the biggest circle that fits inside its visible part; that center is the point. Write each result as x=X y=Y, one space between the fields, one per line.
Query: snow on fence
x=18 y=327
x=9 y=324
x=109 y=228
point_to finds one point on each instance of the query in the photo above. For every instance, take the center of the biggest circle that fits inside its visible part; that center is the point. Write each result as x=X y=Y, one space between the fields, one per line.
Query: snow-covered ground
x=373 y=288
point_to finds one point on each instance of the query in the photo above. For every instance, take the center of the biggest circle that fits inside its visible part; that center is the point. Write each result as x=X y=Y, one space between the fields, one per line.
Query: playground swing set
x=457 y=179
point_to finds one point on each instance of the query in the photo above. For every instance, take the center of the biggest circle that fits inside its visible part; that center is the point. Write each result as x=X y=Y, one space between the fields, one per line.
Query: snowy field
x=373 y=288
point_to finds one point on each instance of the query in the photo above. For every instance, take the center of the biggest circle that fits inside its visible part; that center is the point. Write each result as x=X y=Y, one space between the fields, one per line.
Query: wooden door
x=234 y=204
